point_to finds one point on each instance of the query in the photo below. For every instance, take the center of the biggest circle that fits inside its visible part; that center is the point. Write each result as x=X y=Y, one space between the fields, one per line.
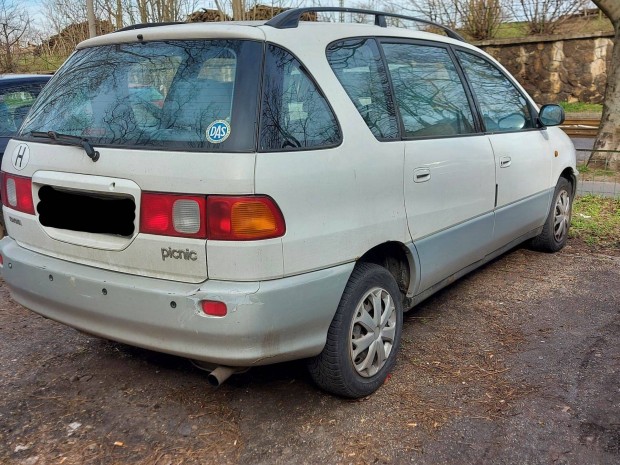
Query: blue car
x=17 y=94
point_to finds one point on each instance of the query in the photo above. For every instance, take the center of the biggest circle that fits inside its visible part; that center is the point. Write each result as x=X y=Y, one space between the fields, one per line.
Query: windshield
x=197 y=95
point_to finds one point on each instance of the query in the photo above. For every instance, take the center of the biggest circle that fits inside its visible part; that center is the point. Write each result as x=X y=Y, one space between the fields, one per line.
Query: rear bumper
x=267 y=322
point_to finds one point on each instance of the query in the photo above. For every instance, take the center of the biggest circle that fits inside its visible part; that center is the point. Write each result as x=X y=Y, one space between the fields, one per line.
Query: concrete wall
x=568 y=67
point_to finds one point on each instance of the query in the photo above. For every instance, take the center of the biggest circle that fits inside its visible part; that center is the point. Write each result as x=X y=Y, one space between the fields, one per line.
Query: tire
x=555 y=231
x=337 y=369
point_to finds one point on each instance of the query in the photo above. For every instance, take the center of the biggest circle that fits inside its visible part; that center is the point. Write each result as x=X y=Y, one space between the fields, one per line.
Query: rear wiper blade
x=69 y=139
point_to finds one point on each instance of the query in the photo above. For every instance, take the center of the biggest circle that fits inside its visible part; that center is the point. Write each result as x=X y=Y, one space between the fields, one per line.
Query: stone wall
x=569 y=67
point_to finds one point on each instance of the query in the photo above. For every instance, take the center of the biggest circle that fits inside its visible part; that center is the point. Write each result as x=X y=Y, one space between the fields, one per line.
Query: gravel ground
x=517 y=363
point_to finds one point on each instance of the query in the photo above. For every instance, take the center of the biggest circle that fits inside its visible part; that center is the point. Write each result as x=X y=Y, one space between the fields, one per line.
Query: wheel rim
x=373 y=330
x=561 y=216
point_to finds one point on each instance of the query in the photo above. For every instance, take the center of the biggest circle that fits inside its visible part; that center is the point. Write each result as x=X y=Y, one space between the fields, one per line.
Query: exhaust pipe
x=217 y=377
x=217 y=374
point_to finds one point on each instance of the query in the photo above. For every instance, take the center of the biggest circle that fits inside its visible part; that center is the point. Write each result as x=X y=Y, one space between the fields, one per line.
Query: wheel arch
x=570 y=175
x=401 y=261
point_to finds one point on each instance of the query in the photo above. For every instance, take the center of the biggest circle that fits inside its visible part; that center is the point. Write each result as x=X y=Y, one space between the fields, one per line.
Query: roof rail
x=290 y=18
x=143 y=25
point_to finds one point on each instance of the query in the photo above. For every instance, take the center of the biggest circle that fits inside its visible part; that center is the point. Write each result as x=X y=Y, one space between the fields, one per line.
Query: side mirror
x=551 y=115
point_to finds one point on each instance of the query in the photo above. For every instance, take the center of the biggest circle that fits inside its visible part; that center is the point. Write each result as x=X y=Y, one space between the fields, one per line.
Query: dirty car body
x=267 y=192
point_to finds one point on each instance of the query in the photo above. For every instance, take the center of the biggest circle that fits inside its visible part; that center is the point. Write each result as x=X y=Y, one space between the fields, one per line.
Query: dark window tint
x=502 y=105
x=15 y=101
x=196 y=95
x=358 y=66
x=429 y=93
x=294 y=113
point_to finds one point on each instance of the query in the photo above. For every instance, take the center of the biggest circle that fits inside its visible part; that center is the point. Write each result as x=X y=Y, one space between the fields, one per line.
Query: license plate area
x=83 y=211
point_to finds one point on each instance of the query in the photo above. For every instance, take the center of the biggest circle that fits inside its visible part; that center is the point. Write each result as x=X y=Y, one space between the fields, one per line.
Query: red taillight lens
x=214 y=308
x=218 y=217
x=243 y=218
x=1 y=261
x=173 y=215
x=17 y=193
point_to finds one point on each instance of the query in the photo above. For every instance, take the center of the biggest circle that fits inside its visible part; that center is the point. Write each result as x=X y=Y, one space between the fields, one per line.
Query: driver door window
x=503 y=107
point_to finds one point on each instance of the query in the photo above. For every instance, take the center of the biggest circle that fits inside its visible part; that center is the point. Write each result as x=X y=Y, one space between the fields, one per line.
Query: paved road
x=608 y=189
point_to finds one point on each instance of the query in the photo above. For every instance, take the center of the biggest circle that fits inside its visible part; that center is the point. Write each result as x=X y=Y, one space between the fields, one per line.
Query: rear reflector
x=214 y=308
x=243 y=218
x=17 y=193
x=173 y=215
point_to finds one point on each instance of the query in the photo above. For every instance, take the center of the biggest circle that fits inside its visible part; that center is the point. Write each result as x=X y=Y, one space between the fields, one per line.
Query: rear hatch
x=171 y=122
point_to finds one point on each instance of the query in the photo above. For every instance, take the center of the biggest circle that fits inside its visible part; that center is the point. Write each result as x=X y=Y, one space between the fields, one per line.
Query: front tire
x=555 y=231
x=364 y=336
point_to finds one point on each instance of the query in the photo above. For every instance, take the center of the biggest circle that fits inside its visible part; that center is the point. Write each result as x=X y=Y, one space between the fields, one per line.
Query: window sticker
x=218 y=131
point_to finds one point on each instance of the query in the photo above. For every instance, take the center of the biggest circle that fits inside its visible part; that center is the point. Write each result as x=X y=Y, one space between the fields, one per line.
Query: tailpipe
x=217 y=377
x=217 y=374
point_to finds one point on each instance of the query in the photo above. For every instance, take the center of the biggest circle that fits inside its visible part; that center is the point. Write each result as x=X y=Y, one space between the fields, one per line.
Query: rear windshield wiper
x=69 y=139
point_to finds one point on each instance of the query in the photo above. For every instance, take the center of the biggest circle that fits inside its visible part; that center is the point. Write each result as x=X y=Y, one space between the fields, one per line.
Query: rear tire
x=555 y=231
x=364 y=336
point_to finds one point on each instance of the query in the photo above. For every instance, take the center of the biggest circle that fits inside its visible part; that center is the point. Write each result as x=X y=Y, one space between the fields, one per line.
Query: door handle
x=504 y=162
x=421 y=174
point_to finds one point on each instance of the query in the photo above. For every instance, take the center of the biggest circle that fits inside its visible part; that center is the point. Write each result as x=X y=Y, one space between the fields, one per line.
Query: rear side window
x=502 y=106
x=295 y=115
x=357 y=64
x=189 y=95
x=429 y=92
x=15 y=101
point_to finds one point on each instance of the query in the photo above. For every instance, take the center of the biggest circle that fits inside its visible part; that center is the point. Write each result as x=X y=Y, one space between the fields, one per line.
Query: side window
x=294 y=113
x=502 y=106
x=429 y=93
x=14 y=105
x=358 y=66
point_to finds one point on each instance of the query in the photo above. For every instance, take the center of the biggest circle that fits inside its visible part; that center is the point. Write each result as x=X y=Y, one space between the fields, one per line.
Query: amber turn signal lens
x=243 y=218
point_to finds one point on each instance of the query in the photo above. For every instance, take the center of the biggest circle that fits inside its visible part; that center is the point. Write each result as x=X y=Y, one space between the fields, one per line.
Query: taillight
x=17 y=193
x=243 y=218
x=217 y=217
x=173 y=215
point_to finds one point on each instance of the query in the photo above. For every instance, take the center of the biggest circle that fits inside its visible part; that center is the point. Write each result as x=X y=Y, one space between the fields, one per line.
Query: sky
x=37 y=14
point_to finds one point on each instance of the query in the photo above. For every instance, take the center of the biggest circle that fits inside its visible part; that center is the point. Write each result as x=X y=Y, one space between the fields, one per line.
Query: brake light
x=243 y=218
x=17 y=193
x=217 y=217
x=173 y=215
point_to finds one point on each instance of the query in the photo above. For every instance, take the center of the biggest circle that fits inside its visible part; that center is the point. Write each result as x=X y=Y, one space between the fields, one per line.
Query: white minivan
x=249 y=193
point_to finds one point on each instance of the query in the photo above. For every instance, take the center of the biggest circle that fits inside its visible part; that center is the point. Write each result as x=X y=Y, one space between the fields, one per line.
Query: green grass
x=511 y=30
x=596 y=221
x=40 y=63
x=581 y=107
x=592 y=173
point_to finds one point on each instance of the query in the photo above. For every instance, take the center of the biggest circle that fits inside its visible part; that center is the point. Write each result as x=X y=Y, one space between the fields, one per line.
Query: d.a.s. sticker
x=218 y=131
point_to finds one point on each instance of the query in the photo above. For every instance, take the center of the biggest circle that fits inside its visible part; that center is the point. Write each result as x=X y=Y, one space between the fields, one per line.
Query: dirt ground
x=518 y=363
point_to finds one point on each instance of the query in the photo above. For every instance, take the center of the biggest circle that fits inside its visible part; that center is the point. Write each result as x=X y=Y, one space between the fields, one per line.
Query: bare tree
x=608 y=137
x=545 y=16
x=480 y=18
x=444 y=12
x=14 y=25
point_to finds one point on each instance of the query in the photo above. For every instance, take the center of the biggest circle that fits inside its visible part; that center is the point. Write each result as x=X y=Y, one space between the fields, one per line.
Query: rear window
x=189 y=95
x=15 y=101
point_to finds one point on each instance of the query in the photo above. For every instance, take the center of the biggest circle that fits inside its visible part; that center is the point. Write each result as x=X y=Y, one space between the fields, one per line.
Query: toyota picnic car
x=243 y=194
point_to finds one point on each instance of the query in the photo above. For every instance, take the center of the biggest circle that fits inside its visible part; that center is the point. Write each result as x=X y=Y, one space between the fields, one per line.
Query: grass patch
x=581 y=107
x=596 y=173
x=39 y=63
x=511 y=30
x=596 y=221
